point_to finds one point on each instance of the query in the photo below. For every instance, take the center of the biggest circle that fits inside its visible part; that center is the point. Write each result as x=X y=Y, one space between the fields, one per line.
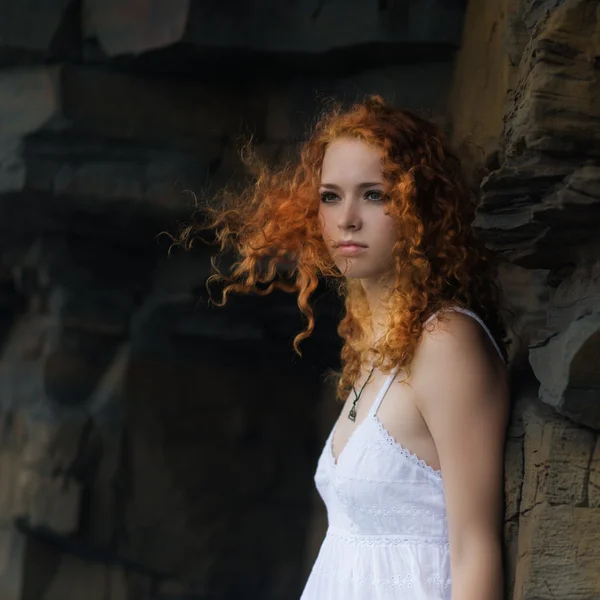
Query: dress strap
x=470 y=313
x=382 y=392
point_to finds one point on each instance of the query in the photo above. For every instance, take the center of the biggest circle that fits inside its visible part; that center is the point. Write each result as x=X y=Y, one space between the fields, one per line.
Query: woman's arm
x=462 y=391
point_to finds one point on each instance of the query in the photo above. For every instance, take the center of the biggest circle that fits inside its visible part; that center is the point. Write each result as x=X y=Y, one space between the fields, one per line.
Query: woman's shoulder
x=457 y=357
x=458 y=330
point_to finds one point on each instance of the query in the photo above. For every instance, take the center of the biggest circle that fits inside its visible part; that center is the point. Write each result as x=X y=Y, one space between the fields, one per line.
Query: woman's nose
x=349 y=217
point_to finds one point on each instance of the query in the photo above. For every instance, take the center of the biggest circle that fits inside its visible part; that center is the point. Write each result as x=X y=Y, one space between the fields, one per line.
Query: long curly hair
x=273 y=229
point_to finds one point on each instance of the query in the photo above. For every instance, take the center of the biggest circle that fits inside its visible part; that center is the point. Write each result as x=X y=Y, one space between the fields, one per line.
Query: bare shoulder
x=456 y=360
x=458 y=341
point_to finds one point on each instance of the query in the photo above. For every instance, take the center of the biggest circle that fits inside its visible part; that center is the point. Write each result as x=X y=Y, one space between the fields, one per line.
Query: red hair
x=273 y=227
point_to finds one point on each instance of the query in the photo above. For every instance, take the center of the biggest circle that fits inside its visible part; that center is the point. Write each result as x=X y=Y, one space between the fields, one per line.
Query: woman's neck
x=377 y=292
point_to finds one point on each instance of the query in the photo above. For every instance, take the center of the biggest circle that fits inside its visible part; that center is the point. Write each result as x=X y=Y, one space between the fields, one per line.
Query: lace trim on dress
x=424 y=482
x=413 y=458
x=387 y=540
x=388 y=440
x=410 y=512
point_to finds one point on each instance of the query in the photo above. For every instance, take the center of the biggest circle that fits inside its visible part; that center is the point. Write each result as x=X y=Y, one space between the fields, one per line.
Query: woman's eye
x=374 y=195
x=328 y=197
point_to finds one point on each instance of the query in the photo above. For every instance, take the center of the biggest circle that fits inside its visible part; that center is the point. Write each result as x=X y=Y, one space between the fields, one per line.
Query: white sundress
x=387 y=536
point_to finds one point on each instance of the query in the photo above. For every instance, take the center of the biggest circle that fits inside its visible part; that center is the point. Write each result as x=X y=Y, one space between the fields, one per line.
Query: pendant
x=352 y=414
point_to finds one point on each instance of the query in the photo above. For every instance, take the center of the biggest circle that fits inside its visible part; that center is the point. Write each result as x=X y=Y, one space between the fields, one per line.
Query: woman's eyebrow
x=361 y=186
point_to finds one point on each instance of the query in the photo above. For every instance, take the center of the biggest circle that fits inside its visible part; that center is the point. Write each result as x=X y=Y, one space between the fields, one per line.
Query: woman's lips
x=350 y=249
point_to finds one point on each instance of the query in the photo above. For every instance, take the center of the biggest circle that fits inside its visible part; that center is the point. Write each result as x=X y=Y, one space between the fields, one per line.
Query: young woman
x=412 y=472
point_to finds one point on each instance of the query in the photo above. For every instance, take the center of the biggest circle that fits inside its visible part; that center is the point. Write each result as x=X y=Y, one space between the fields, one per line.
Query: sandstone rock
x=535 y=12
x=557 y=457
x=514 y=459
x=550 y=175
x=557 y=545
x=550 y=462
x=555 y=104
x=594 y=482
x=485 y=71
x=559 y=553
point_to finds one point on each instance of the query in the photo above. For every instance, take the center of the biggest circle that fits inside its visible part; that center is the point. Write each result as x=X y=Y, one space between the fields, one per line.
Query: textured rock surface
x=485 y=69
x=540 y=209
x=550 y=174
x=559 y=554
x=558 y=526
x=132 y=27
x=551 y=515
x=150 y=441
x=566 y=357
x=153 y=447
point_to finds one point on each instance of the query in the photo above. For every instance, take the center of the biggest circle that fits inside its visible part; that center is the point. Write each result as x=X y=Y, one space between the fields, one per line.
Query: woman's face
x=355 y=227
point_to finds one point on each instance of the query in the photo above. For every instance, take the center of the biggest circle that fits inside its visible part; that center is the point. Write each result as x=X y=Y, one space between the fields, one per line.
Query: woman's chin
x=356 y=272
x=362 y=272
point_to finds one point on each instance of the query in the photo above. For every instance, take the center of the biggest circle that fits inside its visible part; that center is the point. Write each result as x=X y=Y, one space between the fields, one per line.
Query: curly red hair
x=272 y=227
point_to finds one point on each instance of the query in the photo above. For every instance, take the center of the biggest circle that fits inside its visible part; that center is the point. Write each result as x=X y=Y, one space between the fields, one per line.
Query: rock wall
x=540 y=210
x=153 y=447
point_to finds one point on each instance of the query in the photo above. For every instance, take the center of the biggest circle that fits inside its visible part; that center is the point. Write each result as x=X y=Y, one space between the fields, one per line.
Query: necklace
x=352 y=413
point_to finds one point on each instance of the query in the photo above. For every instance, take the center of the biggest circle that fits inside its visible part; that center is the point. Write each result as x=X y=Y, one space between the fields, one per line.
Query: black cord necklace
x=352 y=413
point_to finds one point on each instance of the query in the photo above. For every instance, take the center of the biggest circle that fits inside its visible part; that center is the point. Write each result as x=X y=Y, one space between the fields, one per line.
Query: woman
x=412 y=472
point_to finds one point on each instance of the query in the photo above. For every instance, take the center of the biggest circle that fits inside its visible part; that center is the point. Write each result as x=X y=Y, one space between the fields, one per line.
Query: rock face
x=550 y=172
x=153 y=447
x=566 y=357
x=540 y=210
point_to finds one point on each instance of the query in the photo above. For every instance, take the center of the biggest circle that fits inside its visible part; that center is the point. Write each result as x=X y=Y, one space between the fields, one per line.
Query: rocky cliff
x=536 y=65
x=152 y=446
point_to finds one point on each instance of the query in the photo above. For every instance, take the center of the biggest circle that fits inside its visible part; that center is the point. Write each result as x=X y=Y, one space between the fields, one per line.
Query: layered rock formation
x=540 y=210
x=152 y=446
